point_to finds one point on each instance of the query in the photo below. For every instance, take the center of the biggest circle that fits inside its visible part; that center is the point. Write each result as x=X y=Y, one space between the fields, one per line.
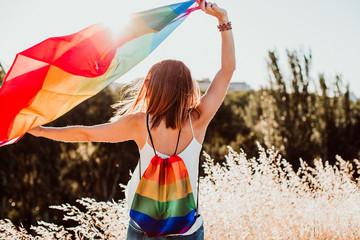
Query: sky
x=330 y=29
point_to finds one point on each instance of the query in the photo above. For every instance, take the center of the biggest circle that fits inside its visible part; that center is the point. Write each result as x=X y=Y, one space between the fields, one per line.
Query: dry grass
x=259 y=198
x=265 y=199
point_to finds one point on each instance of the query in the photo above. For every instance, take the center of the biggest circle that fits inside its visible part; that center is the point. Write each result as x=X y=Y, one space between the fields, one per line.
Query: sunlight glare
x=117 y=23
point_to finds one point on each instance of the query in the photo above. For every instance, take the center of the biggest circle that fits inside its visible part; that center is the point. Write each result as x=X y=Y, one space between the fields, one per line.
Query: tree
x=301 y=123
x=228 y=127
x=2 y=74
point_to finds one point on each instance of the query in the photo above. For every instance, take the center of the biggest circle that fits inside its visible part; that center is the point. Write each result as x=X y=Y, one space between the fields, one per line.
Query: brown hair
x=168 y=91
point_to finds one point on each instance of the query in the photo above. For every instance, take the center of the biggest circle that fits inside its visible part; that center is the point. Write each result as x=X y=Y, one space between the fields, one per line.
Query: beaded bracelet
x=224 y=27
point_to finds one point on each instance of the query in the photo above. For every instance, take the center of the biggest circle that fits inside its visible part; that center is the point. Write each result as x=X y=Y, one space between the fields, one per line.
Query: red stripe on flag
x=16 y=94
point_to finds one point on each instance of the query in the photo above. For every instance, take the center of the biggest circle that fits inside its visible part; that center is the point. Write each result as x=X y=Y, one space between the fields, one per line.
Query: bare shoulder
x=138 y=127
x=128 y=127
x=138 y=118
x=133 y=119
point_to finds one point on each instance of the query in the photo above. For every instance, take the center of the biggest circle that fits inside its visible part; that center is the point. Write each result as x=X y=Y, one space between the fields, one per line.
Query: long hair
x=168 y=91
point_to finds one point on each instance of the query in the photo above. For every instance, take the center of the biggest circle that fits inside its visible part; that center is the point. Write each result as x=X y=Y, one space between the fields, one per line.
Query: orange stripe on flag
x=176 y=171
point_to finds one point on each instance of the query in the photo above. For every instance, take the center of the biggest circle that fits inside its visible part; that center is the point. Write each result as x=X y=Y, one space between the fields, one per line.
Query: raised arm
x=125 y=128
x=212 y=99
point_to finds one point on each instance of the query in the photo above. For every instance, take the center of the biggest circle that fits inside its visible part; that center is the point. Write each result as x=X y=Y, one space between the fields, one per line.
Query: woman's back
x=188 y=150
x=165 y=139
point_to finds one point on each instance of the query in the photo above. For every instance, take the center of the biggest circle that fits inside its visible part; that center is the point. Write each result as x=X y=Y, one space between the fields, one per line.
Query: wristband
x=224 y=27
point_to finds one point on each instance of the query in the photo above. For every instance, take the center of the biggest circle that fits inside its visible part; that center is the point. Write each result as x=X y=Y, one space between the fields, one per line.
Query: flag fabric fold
x=52 y=77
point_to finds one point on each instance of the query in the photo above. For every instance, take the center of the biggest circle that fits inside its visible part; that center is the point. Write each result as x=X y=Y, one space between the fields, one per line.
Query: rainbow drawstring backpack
x=164 y=202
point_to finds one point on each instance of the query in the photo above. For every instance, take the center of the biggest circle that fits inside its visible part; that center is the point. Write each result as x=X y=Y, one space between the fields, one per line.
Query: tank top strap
x=147 y=137
x=192 y=130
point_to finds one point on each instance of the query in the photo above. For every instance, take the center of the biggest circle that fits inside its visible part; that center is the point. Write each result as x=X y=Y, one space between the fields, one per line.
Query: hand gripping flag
x=52 y=77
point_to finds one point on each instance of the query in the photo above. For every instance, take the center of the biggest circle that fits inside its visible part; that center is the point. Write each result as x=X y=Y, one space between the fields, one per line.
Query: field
x=257 y=198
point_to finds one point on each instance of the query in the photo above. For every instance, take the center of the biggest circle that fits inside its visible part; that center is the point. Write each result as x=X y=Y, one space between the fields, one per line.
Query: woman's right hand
x=213 y=10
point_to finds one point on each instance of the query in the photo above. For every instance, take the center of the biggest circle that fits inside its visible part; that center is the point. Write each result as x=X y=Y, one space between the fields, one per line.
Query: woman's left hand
x=213 y=10
x=35 y=131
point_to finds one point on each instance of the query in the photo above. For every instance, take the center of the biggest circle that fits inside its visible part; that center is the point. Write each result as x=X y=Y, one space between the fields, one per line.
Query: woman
x=167 y=102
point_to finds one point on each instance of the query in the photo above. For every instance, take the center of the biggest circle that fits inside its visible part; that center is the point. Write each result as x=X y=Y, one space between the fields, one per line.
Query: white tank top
x=190 y=155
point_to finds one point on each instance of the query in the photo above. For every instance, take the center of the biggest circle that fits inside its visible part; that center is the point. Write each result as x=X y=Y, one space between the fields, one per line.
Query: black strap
x=152 y=143
x=177 y=143
x=148 y=129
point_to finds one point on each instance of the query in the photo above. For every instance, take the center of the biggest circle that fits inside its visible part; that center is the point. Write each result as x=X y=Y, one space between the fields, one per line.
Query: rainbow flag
x=164 y=202
x=52 y=77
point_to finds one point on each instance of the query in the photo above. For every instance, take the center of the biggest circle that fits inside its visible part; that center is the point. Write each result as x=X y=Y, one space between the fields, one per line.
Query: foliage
x=229 y=127
x=302 y=123
x=36 y=173
x=2 y=74
x=256 y=198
